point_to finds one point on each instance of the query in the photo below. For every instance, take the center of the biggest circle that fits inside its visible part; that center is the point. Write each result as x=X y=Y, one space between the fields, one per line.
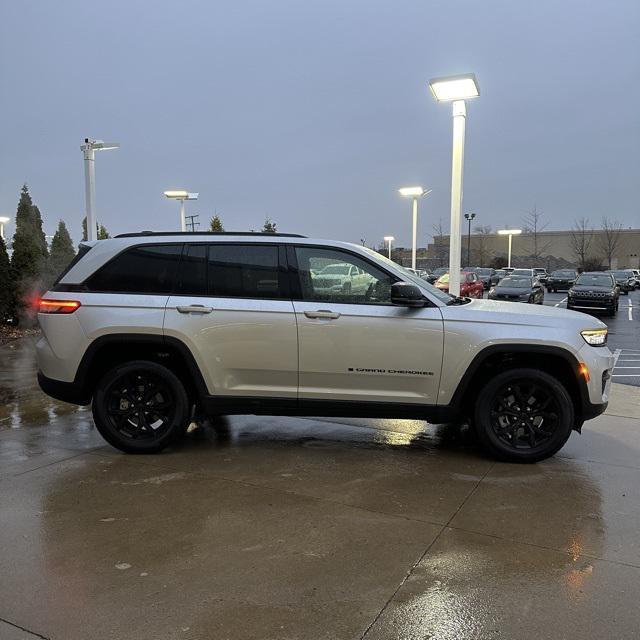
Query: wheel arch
x=556 y=361
x=108 y=351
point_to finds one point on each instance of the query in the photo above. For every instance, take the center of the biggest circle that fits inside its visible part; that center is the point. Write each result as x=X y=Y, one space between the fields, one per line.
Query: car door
x=357 y=346
x=233 y=310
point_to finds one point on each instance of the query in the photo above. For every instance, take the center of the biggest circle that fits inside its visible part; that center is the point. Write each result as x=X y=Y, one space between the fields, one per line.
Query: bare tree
x=580 y=240
x=610 y=238
x=481 y=251
x=534 y=225
x=440 y=245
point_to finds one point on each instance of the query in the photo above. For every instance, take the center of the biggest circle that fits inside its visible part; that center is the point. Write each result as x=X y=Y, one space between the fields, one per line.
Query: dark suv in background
x=561 y=280
x=594 y=291
x=624 y=279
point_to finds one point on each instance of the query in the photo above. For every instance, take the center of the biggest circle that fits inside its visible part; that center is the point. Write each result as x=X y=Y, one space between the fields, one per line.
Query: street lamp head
x=181 y=195
x=4 y=220
x=99 y=145
x=469 y=216
x=413 y=192
x=389 y=238
x=458 y=87
x=509 y=232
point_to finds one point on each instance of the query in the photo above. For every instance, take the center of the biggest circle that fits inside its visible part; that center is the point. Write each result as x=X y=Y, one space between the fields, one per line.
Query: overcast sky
x=315 y=112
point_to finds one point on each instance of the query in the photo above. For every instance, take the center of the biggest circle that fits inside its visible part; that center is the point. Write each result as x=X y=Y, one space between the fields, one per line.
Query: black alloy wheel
x=524 y=415
x=140 y=407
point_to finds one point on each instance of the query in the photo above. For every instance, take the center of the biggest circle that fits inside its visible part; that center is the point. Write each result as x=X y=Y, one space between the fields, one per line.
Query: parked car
x=529 y=273
x=541 y=274
x=152 y=329
x=341 y=277
x=435 y=274
x=624 y=279
x=488 y=276
x=518 y=289
x=594 y=291
x=636 y=274
x=420 y=273
x=561 y=280
x=470 y=285
x=501 y=273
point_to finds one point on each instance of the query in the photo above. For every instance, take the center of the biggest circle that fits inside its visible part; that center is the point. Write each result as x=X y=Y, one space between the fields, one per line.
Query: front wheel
x=523 y=415
x=140 y=407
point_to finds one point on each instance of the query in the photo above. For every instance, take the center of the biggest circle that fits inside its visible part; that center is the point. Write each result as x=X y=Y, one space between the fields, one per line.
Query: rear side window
x=82 y=252
x=193 y=271
x=245 y=271
x=144 y=269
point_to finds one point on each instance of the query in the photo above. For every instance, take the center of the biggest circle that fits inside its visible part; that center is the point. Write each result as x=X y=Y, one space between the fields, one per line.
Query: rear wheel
x=140 y=407
x=524 y=415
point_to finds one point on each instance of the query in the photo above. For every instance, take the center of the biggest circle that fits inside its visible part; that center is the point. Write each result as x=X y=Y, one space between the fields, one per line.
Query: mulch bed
x=9 y=333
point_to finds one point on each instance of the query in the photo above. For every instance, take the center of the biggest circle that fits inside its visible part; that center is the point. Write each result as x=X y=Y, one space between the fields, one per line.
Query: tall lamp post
x=89 y=149
x=181 y=196
x=3 y=220
x=389 y=240
x=456 y=89
x=469 y=217
x=510 y=233
x=415 y=193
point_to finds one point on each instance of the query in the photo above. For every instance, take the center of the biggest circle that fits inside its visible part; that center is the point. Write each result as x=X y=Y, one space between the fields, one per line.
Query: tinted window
x=335 y=276
x=144 y=269
x=193 y=270
x=245 y=271
x=594 y=280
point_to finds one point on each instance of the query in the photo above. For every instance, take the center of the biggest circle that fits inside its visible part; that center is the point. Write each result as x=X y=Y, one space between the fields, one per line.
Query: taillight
x=57 y=306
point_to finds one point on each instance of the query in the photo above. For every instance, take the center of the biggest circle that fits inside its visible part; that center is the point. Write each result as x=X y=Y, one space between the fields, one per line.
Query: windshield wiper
x=458 y=300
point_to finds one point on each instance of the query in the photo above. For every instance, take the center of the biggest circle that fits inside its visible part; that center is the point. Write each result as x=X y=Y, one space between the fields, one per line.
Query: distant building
x=554 y=250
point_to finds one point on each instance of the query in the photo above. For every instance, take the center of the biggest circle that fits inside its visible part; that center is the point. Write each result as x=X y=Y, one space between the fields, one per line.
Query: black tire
x=549 y=289
x=509 y=432
x=531 y=300
x=124 y=424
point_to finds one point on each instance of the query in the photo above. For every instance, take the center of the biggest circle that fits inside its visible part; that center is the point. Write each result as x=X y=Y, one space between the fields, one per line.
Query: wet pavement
x=293 y=528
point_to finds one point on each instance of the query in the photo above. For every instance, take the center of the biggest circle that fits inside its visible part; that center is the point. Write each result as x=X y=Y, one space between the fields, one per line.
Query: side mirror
x=404 y=294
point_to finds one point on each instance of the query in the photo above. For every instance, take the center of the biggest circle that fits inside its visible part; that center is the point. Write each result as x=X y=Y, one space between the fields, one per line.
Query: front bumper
x=591 y=304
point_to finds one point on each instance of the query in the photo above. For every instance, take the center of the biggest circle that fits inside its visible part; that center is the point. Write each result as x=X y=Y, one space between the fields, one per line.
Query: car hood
x=511 y=291
x=496 y=312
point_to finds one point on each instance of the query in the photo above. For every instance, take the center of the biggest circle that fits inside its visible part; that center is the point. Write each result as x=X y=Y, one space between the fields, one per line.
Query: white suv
x=154 y=328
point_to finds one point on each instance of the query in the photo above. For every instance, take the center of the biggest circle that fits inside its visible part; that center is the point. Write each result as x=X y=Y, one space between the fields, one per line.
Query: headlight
x=595 y=337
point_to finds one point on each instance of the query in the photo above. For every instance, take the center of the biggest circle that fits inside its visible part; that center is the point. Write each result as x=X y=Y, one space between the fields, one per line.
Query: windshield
x=521 y=272
x=620 y=274
x=594 y=280
x=435 y=292
x=481 y=272
x=341 y=269
x=517 y=283
x=563 y=274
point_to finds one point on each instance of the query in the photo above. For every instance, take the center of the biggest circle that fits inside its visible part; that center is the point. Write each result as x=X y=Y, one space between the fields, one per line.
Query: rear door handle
x=195 y=308
x=322 y=313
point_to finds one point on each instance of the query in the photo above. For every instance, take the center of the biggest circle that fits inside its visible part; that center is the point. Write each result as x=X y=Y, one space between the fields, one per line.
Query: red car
x=470 y=285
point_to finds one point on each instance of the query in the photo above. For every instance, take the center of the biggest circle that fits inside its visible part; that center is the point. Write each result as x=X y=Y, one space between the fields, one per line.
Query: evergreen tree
x=29 y=255
x=101 y=230
x=62 y=252
x=269 y=226
x=7 y=291
x=216 y=223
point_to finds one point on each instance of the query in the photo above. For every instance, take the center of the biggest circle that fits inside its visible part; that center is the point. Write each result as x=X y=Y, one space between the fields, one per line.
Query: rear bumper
x=71 y=392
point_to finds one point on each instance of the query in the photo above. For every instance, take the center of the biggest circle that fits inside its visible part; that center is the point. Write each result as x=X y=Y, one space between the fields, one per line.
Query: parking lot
x=267 y=527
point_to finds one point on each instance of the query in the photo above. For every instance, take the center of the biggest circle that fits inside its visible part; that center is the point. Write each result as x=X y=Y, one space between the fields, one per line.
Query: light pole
x=89 y=149
x=469 y=217
x=510 y=233
x=456 y=89
x=415 y=193
x=181 y=196
x=3 y=220
x=389 y=240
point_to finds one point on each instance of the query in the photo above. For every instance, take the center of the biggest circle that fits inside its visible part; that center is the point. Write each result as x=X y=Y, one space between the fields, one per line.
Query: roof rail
x=208 y=233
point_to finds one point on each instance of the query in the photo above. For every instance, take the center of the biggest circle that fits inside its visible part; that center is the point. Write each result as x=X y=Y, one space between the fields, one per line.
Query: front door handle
x=195 y=308
x=322 y=313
